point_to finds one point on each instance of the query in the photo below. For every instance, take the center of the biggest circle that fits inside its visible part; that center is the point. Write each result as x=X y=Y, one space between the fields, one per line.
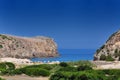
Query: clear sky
x=76 y=24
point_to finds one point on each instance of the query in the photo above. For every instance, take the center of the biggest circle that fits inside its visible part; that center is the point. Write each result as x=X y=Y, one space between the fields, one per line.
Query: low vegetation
x=1 y=46
x=117 y=53
x=106 y=58
x=2 y=79
x=81 y=70
x=4 y=37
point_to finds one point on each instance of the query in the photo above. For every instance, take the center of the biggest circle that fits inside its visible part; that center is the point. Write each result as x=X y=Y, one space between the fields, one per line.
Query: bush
x=102 y=57
x=78 y=63
x=7 y=68
x=106 y=58
x=17 y=71
x=1 y=46
x=83 y=75
x=63 y=64
x=70 y=69
x=2 y=79
x=4 y=37
x=7 y=65
x=37 y=72
x=43 y=66
x=2 y=66
x=84 y=67
x=59 y=76
x=10 y=65
x=109 y=58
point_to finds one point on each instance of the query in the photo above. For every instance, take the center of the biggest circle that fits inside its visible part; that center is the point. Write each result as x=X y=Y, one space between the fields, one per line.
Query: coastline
x=20 y=63
x=25 y=62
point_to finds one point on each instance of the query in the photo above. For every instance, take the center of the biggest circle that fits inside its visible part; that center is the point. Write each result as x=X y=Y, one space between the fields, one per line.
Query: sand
x=107 y=64
x=15 y=60
x=21 y=63
x=24 y=77
x=24 y=62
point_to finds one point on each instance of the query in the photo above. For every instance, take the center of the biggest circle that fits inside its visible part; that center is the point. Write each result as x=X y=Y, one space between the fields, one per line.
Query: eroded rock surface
x=25 y=47
x=110 y=50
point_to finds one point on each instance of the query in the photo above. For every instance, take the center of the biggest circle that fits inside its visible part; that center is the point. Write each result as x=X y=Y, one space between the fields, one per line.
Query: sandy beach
x=24 y=62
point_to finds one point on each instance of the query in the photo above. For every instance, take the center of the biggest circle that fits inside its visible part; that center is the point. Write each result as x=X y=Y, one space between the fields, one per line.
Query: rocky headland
x=110 y=51
x=27 y=47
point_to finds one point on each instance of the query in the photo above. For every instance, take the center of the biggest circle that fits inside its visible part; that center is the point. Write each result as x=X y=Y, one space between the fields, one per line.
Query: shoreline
x=26 y=62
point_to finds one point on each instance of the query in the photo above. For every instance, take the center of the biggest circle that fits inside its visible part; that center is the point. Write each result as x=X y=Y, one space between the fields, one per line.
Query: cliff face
x=110 y=50
x=23 y=47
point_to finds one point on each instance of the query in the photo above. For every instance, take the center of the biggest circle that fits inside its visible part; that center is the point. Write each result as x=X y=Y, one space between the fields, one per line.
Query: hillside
x=26 y=47
x=110 y=51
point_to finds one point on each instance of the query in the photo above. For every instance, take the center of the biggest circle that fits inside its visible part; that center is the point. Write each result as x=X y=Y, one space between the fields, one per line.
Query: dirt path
x=23 y=77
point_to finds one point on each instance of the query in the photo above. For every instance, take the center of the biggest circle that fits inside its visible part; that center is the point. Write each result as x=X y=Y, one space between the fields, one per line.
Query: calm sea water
x=70 y=55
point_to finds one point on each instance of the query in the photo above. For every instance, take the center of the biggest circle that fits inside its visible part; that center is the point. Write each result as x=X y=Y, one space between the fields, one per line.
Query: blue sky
x=74 y=24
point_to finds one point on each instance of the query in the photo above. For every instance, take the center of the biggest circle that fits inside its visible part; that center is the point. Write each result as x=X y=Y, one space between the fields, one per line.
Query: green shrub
x=102 y=57
x=17 y=71
x=7 y=65
x=1 y=46
x=63 y=64
x=70 y=69
x=109 y=58
x=43 y=66
x=2 y=66
x=84 y=67
x=83 y=75
x=4 y=72
x=78 y=63
x=4 y=37
x=2 y=79
x=111 y=71
x=37 y=72
x=10 y=65
x=23 y=70
x=58 y=76
x=7 y=68
x=106 y=58
x=47 y=67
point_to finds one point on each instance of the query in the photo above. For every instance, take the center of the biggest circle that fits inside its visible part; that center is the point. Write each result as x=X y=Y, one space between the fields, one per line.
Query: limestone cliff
x=110 y=50
x=25 y=47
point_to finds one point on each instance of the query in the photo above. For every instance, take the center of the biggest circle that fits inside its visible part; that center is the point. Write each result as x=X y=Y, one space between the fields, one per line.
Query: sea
x=67 y=55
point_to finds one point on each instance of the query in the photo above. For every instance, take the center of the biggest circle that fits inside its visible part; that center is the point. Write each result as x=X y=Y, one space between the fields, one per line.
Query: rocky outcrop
x=110 y=50
x=25 y=47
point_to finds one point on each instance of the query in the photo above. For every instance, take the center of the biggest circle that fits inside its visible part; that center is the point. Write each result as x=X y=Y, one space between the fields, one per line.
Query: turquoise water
x=70 y=55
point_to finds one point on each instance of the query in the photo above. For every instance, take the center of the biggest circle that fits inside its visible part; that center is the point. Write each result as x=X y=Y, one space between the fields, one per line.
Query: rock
x=26 y=47
x=110 y=51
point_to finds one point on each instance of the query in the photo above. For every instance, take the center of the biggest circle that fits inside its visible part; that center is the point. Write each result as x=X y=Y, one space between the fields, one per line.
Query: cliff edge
x=110 y=51
x=26 y=47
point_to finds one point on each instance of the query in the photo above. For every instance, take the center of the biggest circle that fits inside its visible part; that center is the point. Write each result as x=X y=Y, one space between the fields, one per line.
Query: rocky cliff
x=25 y=47
x=110 y=51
